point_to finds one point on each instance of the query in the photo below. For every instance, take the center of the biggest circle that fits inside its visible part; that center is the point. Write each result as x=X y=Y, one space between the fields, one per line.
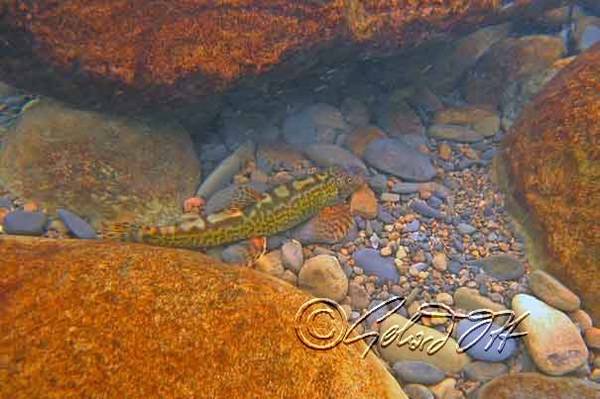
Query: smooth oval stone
x=76 y=225
x=538 y=386
x=485 y=371
x=421 y=207
x=416 y=372
x=399 y=159
x=19 y=222
x=503 y=267
x=553 y=340
x=372 y=263
x=332 y=155
x=553 y=292
x=418 y=391
x=494 y=351
x=465 y=228
x=323 y=277
x=454 y=133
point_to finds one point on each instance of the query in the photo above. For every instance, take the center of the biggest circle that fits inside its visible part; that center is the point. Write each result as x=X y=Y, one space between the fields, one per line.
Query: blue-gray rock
x=235 y=254
x=317 y=123
x=503 y=267
x=375 y=315
x=417 y=391
x=421 y=207
x=454 y=133
x=434 y=202
x=326 y=155
x=399 y=159
x=454 y=267
x=76 y=225
x=378 y=183
x=23 y=223
x=484 y=371
x=372 y=263
x=484 y=347
x=385 y=216
x=465 y=228
x=412 y=226
x=405 y=188
x=416 y=372
x=5 y=203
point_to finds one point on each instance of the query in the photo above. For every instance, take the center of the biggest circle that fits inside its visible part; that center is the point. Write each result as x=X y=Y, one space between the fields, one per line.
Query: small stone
x=445 y=389
x=323 y=277
x=416 y=391
x=553 y=292
x=470 y=300
x=327 y=155
x=364 y=203
x=425 y=210
x=416 y=372
x=5 y=203
x=503 y=267
x=484 y=371
x=271 y=263
x=466 y=229
x=386 y=251
x=290 y=277
x=292 y=256
x=77 y=226
x=372 y=263
x=412 y=226
x=359 y=297
x=440 y=262
x=445 y=151
x=553 y=341
x=19 y=222
x=390 y=197
x=592 y=337
x=445 y=298
x=454 y=133
x=581 y=319
x=481 y=345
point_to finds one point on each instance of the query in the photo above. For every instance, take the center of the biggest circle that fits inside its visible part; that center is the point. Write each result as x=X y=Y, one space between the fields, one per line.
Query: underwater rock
x=119 y=301
x=182 y=51
x=551 y=156
x=355 y=112
x=483 y=121
x=222 y=175
x=535 y=386
x=395 y=157
x=373 y=264
x=77 y=226
x=278 y=155
x=364 y=202
x=24 y=223
x=100 y=167
x=586 y=32
x=484 y=371
x=509 y=60
x=326 y=155
x=239 y=128
x=503 y=267
x=553 y=292
x=397 y=118
x=454 y=133
x=415 y=372
x=358 y=140
x=323 y=277
x=553 y=341
x=317 y=123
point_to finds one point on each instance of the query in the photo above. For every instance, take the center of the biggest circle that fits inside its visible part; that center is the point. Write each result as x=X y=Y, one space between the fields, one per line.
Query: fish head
x=347 y=180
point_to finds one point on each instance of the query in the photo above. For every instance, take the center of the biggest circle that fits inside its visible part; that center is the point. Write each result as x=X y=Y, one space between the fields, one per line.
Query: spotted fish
x=275 y=211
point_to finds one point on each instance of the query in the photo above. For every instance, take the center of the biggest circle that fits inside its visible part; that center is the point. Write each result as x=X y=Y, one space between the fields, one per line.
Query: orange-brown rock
x=99 y=319
x=553 y=163
x=360 y=138
x=181 y=49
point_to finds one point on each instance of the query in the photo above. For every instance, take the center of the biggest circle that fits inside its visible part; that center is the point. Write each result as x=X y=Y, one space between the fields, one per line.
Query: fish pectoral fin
x=243 y=197
x=230 y=213
x=257 y=247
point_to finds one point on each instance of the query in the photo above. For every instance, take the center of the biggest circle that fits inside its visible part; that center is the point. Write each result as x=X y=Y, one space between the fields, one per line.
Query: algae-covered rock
x=102 y=319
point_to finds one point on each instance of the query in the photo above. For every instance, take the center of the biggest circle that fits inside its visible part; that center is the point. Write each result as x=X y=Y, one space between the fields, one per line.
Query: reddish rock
x=179 y=50
x=100 y=319
x=553 y=169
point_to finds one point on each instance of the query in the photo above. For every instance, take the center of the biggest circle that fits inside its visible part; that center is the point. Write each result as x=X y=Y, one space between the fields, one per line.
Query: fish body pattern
x=278 y=210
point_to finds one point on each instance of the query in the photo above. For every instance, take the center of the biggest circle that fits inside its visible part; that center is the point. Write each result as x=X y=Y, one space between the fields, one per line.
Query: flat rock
x=553 y=292
x=77 y=226
x=153 y=310
x=484 y=371
x=481 y=120
x=503 y=267
x=537 y=386
x=19 y=222
x=418 y=391
x=481 y=344
x=317 y=123
x=416 y=372
x=399 y=159
x=446 y=359
x=470 y=299
x=421 y=207
x=323 y=277
x=454 y=133
x=372 y=263
x=332 y=155
x=553 y=341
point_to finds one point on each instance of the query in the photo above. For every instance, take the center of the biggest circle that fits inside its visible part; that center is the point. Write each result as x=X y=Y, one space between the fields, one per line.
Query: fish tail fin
x=123 y=231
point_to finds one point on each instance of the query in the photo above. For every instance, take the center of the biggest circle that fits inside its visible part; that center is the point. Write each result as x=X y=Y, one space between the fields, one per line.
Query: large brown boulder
x=99 y=166
x=552 y=155
x=102 y=319
x=183 y=49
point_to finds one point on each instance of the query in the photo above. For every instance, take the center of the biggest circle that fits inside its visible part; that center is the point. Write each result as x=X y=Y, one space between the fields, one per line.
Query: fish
x=275 y=211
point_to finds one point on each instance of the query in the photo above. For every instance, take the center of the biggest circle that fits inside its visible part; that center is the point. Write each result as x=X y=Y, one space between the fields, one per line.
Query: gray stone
x=417 y=391
x=5 y=203
x=77 y=226
x=412 y=226
x=291 y=255
x=372 y=263
x=397 y=158
x=421 y=207
x=454 y=133
x=323 y=277
x=465 y=228
x=327 y=155
x=503 y=267
x=481 y=344
x=416 y=372
x=484 y=371
x=23 y=223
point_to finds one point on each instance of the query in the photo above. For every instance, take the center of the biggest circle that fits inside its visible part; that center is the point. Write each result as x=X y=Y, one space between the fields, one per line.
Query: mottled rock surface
x=119 y=319
x=552 y=156
x=98 y=166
